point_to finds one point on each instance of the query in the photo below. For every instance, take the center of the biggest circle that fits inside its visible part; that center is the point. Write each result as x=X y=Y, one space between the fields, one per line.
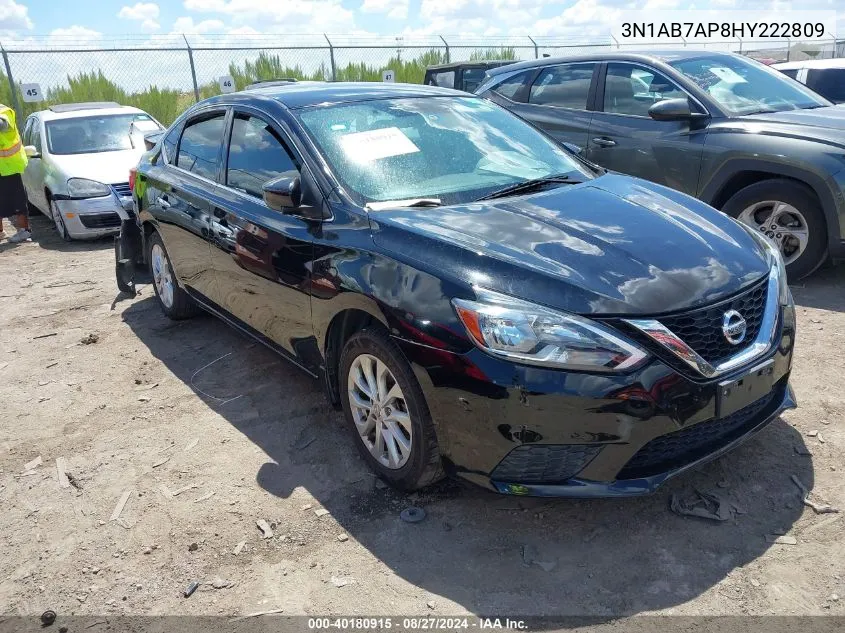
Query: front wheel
x=59 y=221
x=174 y=301
x=387 y=413
x=790 y=216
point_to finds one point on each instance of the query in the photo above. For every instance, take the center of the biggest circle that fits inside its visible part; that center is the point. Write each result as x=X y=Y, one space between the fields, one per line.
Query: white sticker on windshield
x=377 y=144
x=728 y=75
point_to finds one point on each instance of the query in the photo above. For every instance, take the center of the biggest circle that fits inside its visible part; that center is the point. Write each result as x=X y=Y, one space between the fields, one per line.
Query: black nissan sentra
x=478 y=300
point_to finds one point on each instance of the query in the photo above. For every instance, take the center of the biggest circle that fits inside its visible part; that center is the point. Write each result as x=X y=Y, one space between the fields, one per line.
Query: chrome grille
x=122 y=190
x=702 y=329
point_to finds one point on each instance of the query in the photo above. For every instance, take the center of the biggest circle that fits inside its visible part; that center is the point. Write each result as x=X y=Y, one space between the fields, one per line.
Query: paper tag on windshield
x=377 y=144
x=726 y=74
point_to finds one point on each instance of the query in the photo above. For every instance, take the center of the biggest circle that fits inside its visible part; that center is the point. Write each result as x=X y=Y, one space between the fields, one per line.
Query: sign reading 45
x=32 y=93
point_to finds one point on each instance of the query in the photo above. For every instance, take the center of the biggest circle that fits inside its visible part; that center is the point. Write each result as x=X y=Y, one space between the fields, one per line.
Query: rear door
x=176 y=194
x=623 y=137
x=558 y=100
x=262 y=257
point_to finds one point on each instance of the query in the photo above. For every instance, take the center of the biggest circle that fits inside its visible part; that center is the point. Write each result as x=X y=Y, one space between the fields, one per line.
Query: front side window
x=27 y=131
x=199 y=149
x=257 y=155
x=566 y=86
x=632 y=90
x=96 y=134
x=828 y=82
x=454 y=149
x=742 y=86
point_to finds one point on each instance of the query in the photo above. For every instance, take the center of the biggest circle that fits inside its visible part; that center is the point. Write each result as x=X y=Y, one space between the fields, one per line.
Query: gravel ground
x=202 y=433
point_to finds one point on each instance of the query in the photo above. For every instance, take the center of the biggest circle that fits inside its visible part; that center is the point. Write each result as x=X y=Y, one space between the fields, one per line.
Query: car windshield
x=453 y=149
x=94 y=134
x=743 y=86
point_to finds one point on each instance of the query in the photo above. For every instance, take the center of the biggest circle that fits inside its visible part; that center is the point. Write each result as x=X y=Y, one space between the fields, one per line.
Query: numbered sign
x=32 y=93
x=227 y=84
x=388 y=76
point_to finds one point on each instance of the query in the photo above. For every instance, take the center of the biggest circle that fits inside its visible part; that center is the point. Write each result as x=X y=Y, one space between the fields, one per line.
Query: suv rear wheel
x=790 y=216
x=387 y=413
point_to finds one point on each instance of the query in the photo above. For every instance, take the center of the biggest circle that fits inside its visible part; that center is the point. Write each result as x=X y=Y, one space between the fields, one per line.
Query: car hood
x=106 y=167
x=825 y=124
x=613 y=245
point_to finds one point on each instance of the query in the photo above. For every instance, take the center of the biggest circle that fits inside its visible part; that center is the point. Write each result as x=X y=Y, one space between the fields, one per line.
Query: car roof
x=304 y=94
x=81 y=111
x=668 y=55
x=811 y=63
x=490 y=63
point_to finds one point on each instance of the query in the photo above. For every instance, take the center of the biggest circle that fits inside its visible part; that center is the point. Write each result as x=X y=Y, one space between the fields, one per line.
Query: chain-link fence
x=165 y=75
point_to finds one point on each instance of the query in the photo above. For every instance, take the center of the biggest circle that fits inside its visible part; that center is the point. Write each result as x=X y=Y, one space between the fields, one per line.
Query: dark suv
x=476 y=298
x=466 y=76
x=721 y=127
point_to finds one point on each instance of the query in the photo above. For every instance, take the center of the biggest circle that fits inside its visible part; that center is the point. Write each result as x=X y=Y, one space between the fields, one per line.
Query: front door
x=624 y=138
x=33 y=177
x=261 y=257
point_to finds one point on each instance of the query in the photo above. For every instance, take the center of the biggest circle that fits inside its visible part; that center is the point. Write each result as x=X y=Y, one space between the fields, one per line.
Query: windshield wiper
x=530 y=185
x=413 y=202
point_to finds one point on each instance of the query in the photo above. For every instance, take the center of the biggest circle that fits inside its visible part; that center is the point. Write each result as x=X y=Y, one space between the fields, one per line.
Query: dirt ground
x=133 y=404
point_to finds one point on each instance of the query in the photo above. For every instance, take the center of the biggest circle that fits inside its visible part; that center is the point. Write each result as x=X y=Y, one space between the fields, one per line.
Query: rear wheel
x=787 y=214
x=387 y=413
x=174 y=301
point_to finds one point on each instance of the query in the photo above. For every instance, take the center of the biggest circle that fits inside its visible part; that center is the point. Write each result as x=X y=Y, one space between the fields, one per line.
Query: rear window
x=828 y=82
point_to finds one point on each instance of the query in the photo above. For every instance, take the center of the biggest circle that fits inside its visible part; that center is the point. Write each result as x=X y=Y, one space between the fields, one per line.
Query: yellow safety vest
x=12 y=155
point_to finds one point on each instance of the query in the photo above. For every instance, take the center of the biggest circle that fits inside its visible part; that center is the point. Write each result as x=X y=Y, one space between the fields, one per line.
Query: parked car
x=824 y=76
x=466 y=76
x=79 y=158
x=721 y=127
x=476 y=298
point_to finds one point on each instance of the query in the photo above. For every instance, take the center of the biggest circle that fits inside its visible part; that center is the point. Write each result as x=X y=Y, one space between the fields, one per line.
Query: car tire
x=174 y=301
x=405 y=412
x=59 y=221
x=799 y=214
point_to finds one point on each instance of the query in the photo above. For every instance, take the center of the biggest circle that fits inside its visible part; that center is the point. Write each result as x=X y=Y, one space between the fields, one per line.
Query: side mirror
x=572 y=147
x=283 y=194
x=31 y=151
x=671 y=110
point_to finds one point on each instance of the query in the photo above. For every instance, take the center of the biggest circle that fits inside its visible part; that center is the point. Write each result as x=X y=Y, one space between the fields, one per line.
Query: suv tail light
x=132 y=173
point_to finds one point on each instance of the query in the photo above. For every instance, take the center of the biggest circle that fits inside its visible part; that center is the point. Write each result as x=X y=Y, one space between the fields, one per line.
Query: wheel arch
x=738 y=174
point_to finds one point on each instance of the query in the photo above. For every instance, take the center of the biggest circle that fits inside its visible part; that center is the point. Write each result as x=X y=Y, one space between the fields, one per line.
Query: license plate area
x=736 y=394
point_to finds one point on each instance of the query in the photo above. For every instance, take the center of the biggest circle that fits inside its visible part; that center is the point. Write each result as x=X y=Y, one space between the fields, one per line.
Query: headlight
x=534 y=335
x=84 y=188
x=775 y=262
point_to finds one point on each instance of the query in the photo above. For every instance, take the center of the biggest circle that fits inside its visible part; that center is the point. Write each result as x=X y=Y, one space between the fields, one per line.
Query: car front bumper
x=92 y=217
x=532 y=431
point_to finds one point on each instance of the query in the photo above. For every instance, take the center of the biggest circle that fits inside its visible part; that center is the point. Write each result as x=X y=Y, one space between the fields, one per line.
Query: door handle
x=603 y=142
x=162 y=202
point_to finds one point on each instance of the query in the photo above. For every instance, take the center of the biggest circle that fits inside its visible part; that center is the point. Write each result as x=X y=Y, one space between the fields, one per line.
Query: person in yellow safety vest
x=13 y=202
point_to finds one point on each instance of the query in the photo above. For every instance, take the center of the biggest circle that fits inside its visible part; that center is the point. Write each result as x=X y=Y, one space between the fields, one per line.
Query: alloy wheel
x=162 y=278
x=782 y=224
x=59 y=221
x=380 y=411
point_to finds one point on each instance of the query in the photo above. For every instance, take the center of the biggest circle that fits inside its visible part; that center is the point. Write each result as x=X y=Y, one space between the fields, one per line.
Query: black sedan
x=476 y=298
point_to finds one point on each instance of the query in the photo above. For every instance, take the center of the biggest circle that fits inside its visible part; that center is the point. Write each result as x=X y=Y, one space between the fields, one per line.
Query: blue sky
x=81 y=19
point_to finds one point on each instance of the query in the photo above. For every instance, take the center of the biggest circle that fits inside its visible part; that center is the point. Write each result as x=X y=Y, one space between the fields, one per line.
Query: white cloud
x=144 y=12
x=395 y=9
x=294 y=16
x=14 y=16
x=76 y=34
x=187 y=25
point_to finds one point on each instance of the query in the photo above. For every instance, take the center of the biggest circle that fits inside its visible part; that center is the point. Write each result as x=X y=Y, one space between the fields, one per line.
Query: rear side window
x=828 y=82
x=444 y=80
x=792 y=73
x=257 y=155
x=566 y=86
x=199 y=149
x=510 y=88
